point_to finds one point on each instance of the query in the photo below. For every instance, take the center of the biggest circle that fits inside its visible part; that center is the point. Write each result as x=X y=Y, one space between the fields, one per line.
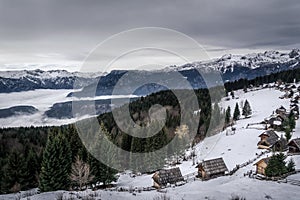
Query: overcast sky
x=63 y=32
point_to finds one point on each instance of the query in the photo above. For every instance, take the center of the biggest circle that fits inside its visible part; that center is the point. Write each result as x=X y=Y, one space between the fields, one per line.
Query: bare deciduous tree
x=81 y=173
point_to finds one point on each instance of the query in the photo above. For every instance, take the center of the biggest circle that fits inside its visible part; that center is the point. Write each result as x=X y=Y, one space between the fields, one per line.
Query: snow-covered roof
x=296 y=142
x=213 y=166
x=272 y=137
x=165 y=176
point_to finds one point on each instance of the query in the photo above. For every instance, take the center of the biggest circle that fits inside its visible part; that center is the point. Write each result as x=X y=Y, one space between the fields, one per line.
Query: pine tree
x=216 y=116
x=232 y=94
x=32 y=168
x=288 y=134
x=247 y=109
x=292 y=122
x=276 y=165
x=15 y=172
x=227 y=115
x=236 y=114
x=291 y=165
x=103 y=172
x=56 y=164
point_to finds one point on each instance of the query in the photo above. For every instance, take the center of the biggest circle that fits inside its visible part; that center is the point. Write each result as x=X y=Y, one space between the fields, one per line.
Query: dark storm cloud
x=73 y=27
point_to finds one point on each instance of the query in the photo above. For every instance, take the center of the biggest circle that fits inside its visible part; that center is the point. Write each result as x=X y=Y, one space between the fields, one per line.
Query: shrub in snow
x=236 y=197
x=162 y=197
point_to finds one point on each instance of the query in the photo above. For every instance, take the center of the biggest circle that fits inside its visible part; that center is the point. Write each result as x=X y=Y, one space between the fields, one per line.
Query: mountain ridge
x=231 y=68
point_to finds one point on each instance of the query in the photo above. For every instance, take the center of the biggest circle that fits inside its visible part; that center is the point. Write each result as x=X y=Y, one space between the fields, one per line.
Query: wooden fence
x=239 y=166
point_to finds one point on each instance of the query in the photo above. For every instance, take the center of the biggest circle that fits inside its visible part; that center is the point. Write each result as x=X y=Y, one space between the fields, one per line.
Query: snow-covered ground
x=235 y=149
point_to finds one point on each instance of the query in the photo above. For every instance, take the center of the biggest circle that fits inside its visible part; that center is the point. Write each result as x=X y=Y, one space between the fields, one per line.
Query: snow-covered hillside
x=234 y=148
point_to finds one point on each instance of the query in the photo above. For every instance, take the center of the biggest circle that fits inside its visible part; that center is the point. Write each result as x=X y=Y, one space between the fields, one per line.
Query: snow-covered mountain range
x=25 y=80
x=252 y=61
x=231 y=67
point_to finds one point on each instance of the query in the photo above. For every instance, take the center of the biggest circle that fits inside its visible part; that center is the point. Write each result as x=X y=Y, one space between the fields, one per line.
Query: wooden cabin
x=294 y=146
x=281 y=111
x=167 y=176
x=275 y=122
x=261 y=166
x=211 y=168
x=267 y=139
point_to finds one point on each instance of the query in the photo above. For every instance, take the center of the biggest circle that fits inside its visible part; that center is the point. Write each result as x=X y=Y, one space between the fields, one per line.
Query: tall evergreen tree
x=247 y=109
x=56 y=164
x=292 y=122
x=227 y=116
x=32 y=170
x=15 y=172
x=236 y=114
x=291 y=165
x=288 y=134
x=103 y=172
x=276 y=165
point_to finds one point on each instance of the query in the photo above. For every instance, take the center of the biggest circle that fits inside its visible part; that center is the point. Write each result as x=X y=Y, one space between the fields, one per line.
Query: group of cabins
x=275 y=121
x=206 y=170
x=293 y=147
x=213 y=168
x=270 y=140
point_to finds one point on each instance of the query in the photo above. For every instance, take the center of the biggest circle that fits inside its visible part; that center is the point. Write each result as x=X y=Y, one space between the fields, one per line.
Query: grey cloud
x=74 y=27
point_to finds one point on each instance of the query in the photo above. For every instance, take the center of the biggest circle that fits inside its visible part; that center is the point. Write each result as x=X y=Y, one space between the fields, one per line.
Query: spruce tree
x=276 y=165
x=15 y=172
x=236 y=114
x=288 y=134
x=56 y=164
x=291 y=165
x=292 y=122
x=227 y=116
x=216 y=116
x=103 y=172
x=32 y=168
x=247 y=109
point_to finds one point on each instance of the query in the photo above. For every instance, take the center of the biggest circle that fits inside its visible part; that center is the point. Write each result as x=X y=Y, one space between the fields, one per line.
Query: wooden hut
x=281 y=111
x=261 y=166
x=167 y=176
x=275 y=121
x=267 y=139
x=211 y=168
x=294 y=146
